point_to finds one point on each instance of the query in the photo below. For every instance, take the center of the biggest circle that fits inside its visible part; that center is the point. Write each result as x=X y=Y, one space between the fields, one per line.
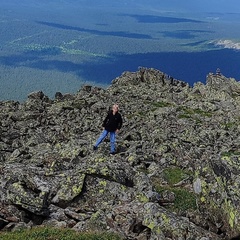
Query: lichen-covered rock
x=175 y=174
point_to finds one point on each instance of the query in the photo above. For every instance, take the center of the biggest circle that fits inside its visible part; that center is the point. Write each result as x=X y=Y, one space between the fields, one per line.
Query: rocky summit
x=176 y=173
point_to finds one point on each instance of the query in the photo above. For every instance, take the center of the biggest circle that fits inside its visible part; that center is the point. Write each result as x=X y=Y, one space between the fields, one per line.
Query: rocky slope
x=175 y=174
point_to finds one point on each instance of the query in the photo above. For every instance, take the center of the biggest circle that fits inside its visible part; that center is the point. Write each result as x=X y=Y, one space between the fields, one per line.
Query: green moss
x=202 y=113
x=190 y=112
x=175 y=175
x=184 y=116
x=41 y=233
x=230 y=153
x=184 y=199
x=161 y=104
x=230 y=125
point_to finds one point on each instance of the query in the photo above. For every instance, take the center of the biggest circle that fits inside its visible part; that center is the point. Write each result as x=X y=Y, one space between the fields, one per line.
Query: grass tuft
x=46 y=233
x=184 y=199
x=175 y=175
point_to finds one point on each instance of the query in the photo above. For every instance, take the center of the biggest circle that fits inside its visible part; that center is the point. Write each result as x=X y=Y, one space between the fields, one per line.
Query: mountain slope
x=175 y=174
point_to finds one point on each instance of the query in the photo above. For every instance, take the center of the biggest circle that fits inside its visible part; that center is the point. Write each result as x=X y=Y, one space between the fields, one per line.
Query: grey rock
x=177 y=142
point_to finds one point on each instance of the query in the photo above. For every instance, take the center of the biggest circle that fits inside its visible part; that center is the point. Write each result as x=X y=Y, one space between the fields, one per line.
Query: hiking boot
x=94 y=148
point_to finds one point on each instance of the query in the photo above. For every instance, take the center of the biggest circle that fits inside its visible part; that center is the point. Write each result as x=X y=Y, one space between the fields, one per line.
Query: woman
x=112 y=124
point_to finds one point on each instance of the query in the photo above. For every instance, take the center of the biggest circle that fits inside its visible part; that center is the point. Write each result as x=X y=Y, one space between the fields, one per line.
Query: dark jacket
x=112 y=122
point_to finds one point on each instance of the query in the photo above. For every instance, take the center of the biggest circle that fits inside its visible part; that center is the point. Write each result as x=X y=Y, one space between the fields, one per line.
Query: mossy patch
x=230 y=153
x=175 y=175
x=184 y=199
x=192 y=113
x=161 y=104
x=231 y=125
x=41 y=233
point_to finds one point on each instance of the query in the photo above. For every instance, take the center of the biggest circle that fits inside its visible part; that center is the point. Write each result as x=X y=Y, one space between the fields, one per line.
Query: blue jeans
x=112 y=139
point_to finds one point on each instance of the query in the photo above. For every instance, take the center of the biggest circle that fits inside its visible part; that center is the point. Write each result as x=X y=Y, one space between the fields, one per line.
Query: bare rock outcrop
x=175 y=174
